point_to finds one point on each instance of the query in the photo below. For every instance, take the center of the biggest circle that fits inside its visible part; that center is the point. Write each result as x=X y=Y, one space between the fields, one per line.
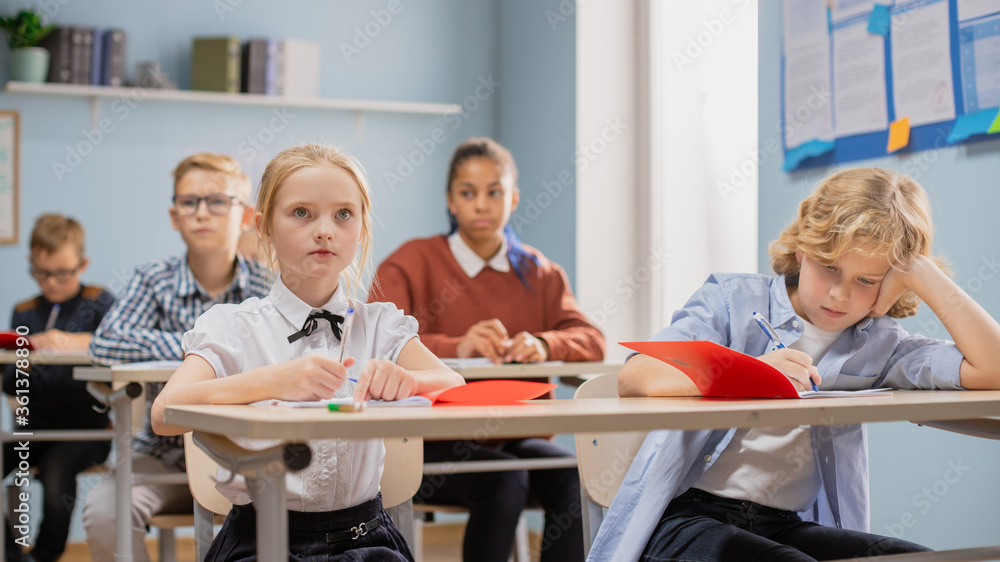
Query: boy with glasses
x=63 y=317
x=161 y=302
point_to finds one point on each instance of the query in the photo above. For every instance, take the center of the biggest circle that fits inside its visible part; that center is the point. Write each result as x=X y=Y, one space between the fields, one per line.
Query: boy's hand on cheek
x=794 y=364
x=893 y=286
x=310 y=378
x=384 y=380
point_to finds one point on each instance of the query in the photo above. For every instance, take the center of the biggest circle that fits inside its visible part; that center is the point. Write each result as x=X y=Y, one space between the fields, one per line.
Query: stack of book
x=86 y=55
x=281 y=67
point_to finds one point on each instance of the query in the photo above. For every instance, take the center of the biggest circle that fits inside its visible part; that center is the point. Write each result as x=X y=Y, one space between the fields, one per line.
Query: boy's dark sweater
x=56 y=401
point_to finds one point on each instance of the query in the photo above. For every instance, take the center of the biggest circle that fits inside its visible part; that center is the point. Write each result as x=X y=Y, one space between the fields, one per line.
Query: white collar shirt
x=235 y=338
x=469 y=260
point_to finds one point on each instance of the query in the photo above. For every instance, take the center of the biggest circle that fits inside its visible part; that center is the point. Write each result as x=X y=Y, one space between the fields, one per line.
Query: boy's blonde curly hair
x=884 y=212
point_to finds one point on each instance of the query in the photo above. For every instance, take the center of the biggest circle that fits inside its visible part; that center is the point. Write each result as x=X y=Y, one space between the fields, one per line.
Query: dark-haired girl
x=479 y=292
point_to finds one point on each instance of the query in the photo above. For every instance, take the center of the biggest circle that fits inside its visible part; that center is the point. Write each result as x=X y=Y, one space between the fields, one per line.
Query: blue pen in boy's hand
x=773 y=336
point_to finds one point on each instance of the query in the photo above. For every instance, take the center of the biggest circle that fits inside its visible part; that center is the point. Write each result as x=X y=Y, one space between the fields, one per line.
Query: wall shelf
x=190 y=96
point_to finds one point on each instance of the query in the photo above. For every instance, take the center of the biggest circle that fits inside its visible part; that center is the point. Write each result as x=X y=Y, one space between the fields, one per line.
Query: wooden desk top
x=154 y=371
x=160 y=371
x=570 y=416
x=39 y=357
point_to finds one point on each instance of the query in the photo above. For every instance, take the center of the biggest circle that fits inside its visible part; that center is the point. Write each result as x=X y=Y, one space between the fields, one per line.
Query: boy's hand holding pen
x=794 y=364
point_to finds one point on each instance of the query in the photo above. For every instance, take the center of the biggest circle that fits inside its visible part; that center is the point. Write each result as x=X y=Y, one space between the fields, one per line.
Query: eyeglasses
x=218 y=204
x=60 y=275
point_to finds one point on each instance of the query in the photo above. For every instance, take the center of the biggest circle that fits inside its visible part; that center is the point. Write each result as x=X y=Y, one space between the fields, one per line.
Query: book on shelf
x=215 y=64
x=59 y=44
x=253 y=72
x=96 y=57
x=112 y=57
x=297 y=68
x=81 y=54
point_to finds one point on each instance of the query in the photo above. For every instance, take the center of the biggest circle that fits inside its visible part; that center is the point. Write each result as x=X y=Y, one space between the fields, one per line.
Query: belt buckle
x=359 y=531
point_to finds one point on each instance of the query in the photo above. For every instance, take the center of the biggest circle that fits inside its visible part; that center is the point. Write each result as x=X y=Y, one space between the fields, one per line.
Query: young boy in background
x=162 y=301
x=64 y=318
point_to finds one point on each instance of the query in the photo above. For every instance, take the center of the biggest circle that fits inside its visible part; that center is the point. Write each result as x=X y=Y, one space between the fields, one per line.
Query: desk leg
x=122 y=405
x=267 y=491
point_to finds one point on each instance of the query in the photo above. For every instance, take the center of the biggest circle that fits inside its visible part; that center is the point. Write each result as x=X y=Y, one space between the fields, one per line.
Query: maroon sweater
x=423 y=279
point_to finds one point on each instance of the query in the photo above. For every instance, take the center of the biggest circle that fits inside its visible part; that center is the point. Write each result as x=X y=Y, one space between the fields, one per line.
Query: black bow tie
x=312 y=322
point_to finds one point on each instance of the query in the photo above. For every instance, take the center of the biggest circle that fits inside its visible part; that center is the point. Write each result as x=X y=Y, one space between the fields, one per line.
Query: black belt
x=354 y=532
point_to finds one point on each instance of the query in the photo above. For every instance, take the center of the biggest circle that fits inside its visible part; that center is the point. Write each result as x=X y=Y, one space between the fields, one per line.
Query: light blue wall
x=910 y=465
x=436 y=51
x=537 y=62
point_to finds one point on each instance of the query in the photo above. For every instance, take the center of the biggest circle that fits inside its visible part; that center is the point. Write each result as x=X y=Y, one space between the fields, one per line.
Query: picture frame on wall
x=10 y=153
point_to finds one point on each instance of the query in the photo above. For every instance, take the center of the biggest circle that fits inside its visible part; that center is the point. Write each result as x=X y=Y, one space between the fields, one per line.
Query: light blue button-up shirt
x=874 y=353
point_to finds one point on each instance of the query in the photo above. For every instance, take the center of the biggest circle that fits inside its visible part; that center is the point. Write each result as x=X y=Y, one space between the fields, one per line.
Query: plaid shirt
x=160 y=303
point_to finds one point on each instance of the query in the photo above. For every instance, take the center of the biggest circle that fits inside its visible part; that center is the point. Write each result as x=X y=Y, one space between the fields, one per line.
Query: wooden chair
x=404 y=458
x=604 y=458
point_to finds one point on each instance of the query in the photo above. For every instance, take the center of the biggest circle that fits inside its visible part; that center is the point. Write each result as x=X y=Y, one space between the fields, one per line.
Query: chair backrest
x=404 y=468
x=201 y=471
x=604 y=458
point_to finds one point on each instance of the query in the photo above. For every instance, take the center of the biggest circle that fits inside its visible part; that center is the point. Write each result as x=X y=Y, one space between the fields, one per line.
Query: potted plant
x=28 y=61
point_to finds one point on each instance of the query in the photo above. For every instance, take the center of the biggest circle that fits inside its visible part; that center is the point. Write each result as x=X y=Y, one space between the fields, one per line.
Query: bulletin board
x=863 y=79
x=9 y=156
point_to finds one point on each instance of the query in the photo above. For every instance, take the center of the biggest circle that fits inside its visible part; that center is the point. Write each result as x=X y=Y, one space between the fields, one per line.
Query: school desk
x=104 y=382
x=81 y=357
x=131 y=375
x=551 y=416
x=38 y=357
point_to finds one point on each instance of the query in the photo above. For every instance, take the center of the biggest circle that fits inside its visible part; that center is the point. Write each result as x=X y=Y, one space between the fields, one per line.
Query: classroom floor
x=442 y=543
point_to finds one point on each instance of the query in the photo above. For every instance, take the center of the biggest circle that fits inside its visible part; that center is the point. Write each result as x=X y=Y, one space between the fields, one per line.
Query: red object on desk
x=489 y=393
x=8 y=340
x=718 y=371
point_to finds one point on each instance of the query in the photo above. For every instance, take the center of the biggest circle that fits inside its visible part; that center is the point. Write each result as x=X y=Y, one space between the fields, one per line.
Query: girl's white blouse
x=235 y=338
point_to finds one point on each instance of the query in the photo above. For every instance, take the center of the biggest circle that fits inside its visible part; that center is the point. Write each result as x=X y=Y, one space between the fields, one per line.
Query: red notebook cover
x=8 y=340
x=718 y=371
x=489 y=393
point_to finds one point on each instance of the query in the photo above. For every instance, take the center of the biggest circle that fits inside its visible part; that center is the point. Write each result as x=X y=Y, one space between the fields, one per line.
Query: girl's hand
x=794 y=364
x=526 y=348
x=309 y=378
x=484 y=339
x=384 y=380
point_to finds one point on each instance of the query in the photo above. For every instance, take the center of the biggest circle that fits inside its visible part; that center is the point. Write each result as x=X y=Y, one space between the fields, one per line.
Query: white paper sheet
x=808 y=104
x=969 y=9
x=921 y=63
x=860 y=104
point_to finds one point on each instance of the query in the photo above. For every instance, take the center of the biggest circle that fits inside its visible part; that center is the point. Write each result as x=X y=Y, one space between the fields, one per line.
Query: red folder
x=718 y=371
x=489 y=393
x=8 y=340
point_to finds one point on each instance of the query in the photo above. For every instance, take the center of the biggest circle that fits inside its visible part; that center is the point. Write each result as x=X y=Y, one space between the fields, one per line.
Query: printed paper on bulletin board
x=852 y=70
x=9 y=156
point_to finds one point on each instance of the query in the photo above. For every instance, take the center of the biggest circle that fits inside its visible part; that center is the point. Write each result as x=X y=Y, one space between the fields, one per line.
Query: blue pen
x=773 y=336
x=348 y=322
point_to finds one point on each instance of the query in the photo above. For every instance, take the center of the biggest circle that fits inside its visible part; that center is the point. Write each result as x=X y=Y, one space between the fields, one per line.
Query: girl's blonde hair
x=291 y=160
x=876 y=211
